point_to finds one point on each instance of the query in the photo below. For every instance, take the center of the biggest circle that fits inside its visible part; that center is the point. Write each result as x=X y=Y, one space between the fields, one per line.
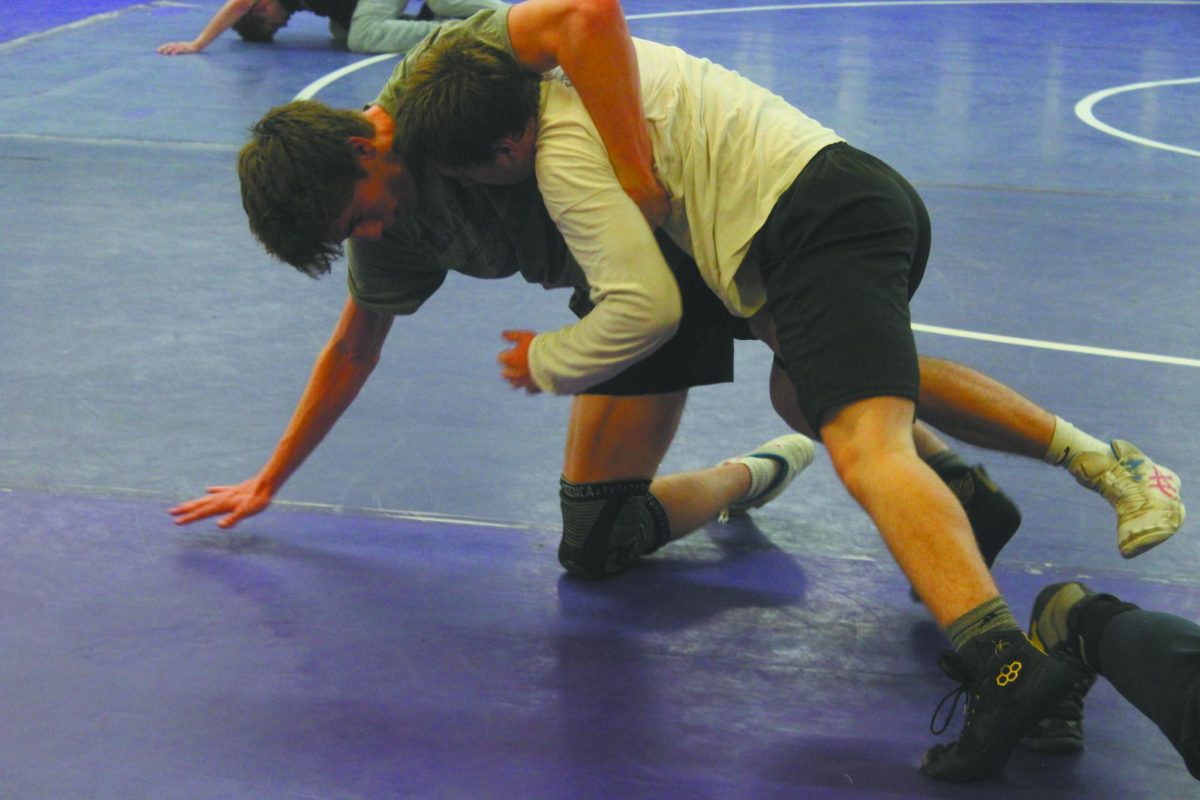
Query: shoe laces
x=1122 y=486
x=1134 y=483
x=955 y=668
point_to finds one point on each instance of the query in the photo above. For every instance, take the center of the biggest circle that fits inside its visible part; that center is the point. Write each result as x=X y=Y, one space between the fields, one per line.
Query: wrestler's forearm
x=338 y=375
x=223 y=20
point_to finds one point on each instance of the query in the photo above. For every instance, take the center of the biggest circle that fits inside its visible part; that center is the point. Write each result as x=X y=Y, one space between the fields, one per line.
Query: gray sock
x=994 y=615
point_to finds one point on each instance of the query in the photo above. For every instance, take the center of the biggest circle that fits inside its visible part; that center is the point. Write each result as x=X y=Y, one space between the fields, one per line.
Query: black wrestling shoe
x=993 y=515
x=1054 y=627
x=1062 y=731
x=1009 y=685
x=1056 y=622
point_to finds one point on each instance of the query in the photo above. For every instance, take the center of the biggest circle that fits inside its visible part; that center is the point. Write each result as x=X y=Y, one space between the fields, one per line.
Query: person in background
x=362 y=26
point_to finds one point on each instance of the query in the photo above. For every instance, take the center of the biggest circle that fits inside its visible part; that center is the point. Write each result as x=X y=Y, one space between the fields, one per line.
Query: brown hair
x=298 y=173
x=461 y=97
x=254 y=27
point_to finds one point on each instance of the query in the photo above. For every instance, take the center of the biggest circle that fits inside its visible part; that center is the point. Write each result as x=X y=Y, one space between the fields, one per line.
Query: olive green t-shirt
x=481 y=231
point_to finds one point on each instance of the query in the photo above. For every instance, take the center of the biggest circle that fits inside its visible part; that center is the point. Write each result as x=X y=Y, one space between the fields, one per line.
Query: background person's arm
x=223 y=20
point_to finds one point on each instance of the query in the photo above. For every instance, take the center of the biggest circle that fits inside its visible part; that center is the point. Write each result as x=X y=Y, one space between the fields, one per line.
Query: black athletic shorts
x=701 y=351
x=841 y=254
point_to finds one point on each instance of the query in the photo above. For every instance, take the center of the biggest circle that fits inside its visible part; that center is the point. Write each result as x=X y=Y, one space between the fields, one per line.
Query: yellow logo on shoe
x=1008 y=674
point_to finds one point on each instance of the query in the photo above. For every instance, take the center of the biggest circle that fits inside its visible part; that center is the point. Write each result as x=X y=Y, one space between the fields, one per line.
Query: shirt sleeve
x=636 y=298
x=388 y=277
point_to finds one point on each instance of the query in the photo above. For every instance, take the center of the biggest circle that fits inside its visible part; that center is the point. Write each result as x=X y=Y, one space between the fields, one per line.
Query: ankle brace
x=763 y=471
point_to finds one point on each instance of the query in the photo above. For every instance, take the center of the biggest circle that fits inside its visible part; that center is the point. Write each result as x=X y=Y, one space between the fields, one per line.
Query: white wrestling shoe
x=787 y=456
x=1145 y=495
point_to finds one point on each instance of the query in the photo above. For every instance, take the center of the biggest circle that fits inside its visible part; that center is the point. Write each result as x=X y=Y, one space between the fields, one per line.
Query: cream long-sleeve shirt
x=724 y=148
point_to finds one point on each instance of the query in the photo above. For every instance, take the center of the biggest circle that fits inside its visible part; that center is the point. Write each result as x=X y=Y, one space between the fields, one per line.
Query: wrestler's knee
x=607 y=526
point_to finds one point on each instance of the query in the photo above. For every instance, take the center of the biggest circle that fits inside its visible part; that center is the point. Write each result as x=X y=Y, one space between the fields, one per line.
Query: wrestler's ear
x=504 y=152
x=514 y=148
x=364 y=148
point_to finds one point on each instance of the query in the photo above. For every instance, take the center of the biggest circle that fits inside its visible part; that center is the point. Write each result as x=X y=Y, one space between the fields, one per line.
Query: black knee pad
x=607 y=526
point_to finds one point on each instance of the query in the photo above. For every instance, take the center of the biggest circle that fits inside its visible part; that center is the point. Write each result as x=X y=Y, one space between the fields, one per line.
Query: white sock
x=1069 y=442
x=762 y=472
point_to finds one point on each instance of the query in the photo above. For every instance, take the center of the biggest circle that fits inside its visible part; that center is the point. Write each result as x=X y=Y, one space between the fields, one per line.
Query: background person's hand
x=177 y=48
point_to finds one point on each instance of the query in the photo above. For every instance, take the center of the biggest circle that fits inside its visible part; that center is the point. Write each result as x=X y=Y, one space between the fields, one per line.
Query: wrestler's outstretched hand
x=236 y=502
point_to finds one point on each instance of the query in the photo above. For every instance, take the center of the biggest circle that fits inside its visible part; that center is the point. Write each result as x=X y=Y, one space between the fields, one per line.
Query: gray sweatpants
x=377 y=28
